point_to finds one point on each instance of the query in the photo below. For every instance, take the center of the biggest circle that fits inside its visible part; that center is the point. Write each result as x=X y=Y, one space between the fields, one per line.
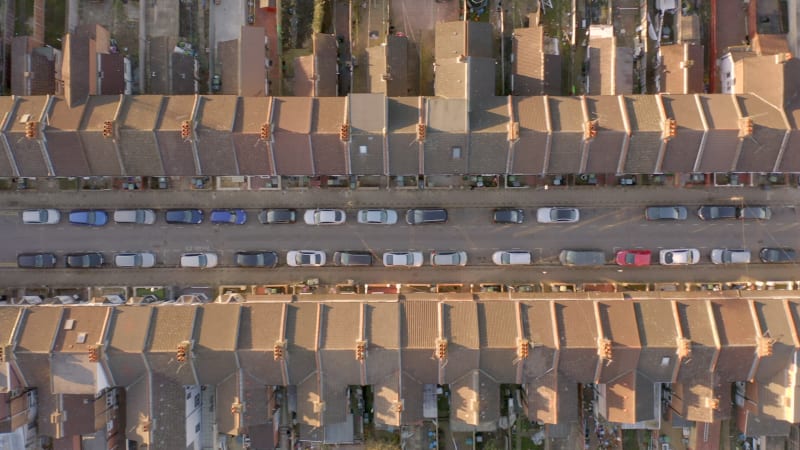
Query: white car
x=142 y=260
x=324 y=216
x=305 y=258
x=679 y=256
x=511 y=257
x=402 y=259
x=730 y=256
x=140 y=216
x=204 y=260
x=557 y=215
x=41 y=216
x=377 y=216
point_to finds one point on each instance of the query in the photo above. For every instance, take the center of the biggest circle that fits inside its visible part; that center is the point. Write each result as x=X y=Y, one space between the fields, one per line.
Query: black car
x=36 y=260
x=270 y=216
x=717 y=212
x=423 y=216
x=256 y=259
x=508 y=215
x=777 y=255
x=189 y=216
x=352 y=258
x=85 y=260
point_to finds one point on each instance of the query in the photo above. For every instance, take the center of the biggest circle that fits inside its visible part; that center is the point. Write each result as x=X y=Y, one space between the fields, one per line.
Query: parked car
x=420 y=216
x=511 y=257
x=305 y=258
x=41 y=216
x=138 y=216
x=633 y=257
x=508 y=215
x=85 y=260
x=557 y=215
x=324 y=217
x=202 y=260
x=88 y=217
x=716 y=212
x=377 y=216
x=141 y=260
x=448 y=258
x=256 y=259
x=730 y=256
x=352 y=258
x=679 y=256
x=777 y=255
x=36 y=260
x=184 y=216
x=232 y=216
x=273 y=216
x=754 y=212
x=402 y=259
x=582 y=257
x=665 y=213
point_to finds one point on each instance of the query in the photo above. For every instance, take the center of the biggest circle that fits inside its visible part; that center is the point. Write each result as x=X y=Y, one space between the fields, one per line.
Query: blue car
x=234 y=216
x=190 y=216
x=90 y=217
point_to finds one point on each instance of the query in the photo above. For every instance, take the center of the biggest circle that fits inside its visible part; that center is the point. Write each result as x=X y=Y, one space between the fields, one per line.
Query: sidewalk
x=616 y=196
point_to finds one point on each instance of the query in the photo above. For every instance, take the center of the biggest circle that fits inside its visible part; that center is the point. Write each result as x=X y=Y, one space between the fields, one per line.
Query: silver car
x=41 y=216
x=205 y=260
x=138 y=216
x=557 y=215
x=679 y=256
x=377 y=216
x=140 y=260
x=450 y=258
x=402 y=259
x=729 y=256
x=511 y=257
x=324 y=217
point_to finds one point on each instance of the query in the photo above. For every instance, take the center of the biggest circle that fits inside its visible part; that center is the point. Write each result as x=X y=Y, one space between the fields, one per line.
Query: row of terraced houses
x=152 y=370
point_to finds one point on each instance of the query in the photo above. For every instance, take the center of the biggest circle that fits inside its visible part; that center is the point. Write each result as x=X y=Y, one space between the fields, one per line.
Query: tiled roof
x=620 y=399
x=606 y=148
x=737 y=339
x=601 y=50
x=137 y=410
x=9 y=318
x=473 y=403
x=303 y=80
x=329 y=151
x=578 y=344
x=302 y=336
x=489 y=144
x=228 y=54
x=682 y=68
x=227 y=394
x=528 y=65
x=87 y=329
x=325 y=69
x=682 y=150
x=774 y=323
x=645 y=141
x=659 y=340
x=171 y=325
x=39 y=327
x=252 y=59
x=216 y=334
x=454 y=39
x=169 y=414
x=615 y=319
x=213 y=135
x=112 y=66
x=759 y=153
x=460 y=328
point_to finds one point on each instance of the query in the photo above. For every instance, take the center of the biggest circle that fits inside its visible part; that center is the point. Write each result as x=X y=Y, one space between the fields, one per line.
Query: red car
x=633 y=257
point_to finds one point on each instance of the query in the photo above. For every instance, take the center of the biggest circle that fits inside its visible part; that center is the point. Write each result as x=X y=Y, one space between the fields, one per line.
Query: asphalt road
x=468 y=229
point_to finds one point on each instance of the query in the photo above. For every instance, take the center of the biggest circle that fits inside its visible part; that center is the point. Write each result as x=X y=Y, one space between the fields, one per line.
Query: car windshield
x=505 y=258
x=630 y=258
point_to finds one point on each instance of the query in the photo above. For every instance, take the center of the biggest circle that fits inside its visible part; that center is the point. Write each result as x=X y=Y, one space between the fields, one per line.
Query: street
x=605 y=224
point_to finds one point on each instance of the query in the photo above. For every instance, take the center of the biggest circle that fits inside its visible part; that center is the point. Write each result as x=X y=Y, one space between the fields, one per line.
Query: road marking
x=8 y=264
x=8 y=213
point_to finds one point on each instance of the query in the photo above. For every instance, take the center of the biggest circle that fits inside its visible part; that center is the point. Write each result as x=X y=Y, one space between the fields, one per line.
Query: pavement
x=400 y=198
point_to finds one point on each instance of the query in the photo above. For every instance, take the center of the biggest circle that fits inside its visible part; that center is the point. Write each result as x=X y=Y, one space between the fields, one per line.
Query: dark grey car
x=508 y=215
x=36 y=260
x=85 y=260
x=717 y=212
x=665 y=213
x=423 y=216
x=256 y=259
x=582 y=257
x=348 y=258
x=271 y=216
x=777 y=255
